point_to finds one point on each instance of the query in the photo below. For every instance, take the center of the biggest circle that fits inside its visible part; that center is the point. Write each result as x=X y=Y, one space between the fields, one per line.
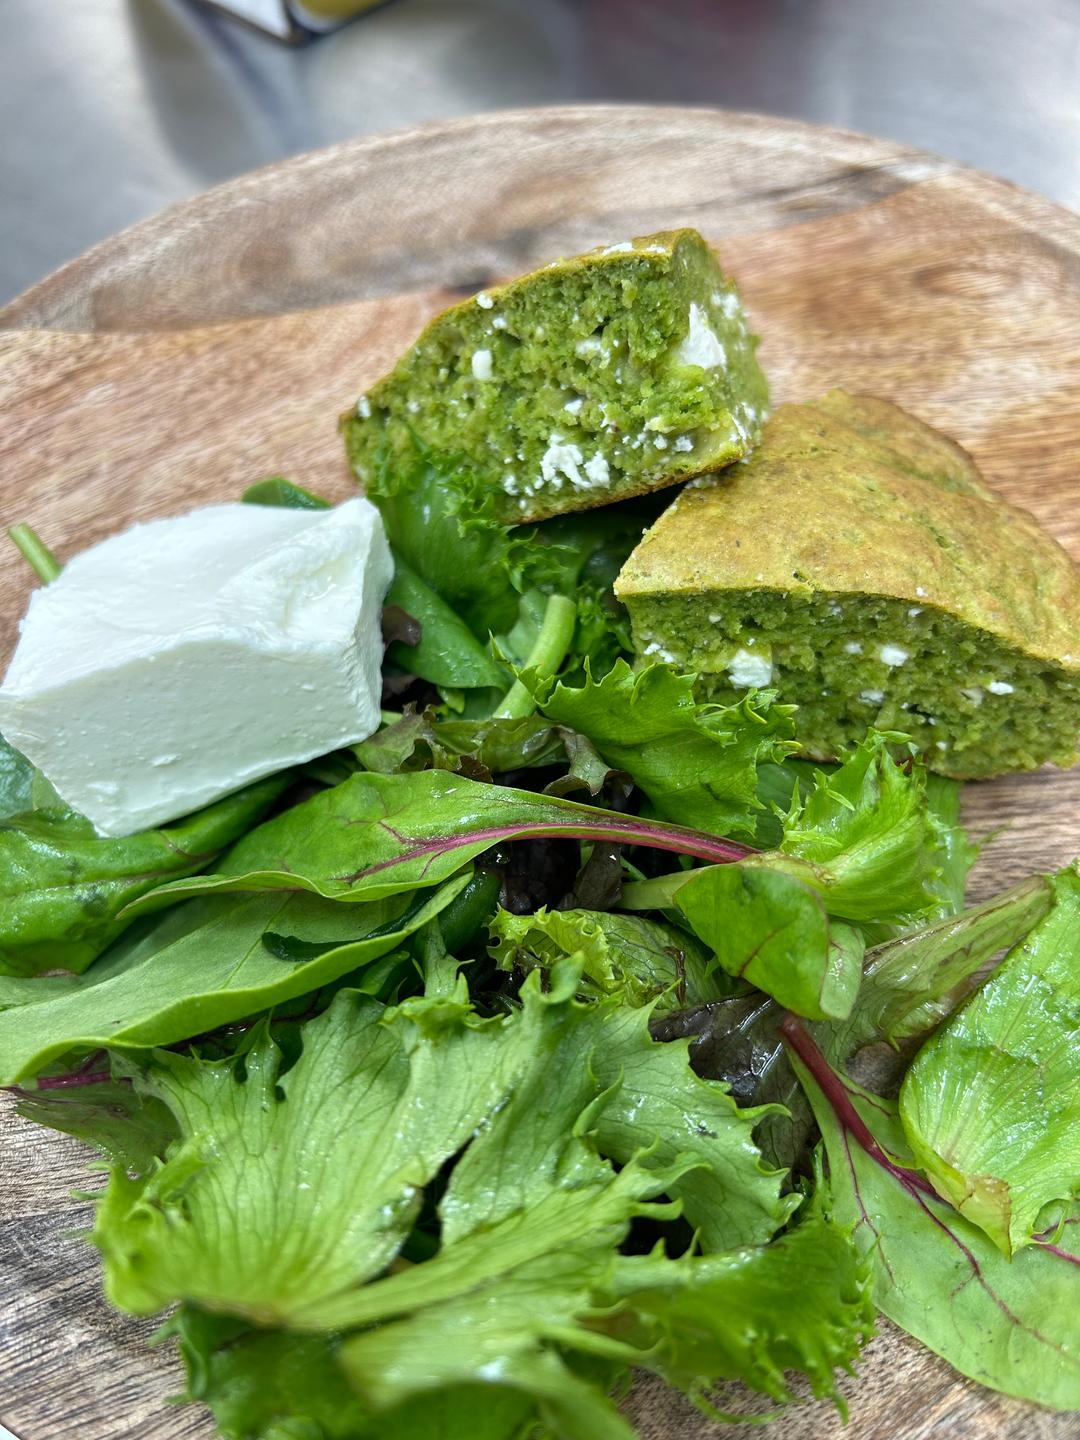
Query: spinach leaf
x=201 y=966
x=1012 y=1324
x=16 y=781
x=440 y=521
x=63 y=886
x=991 y=1106
x=448 y=653
x=276 y=490
x=264 y=1384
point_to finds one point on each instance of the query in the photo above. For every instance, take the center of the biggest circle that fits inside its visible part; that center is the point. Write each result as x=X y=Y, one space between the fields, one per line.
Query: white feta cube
x=186 y=657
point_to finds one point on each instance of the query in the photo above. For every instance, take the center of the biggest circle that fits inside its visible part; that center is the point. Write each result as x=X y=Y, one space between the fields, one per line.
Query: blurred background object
x=113 y=109
x=293 y=20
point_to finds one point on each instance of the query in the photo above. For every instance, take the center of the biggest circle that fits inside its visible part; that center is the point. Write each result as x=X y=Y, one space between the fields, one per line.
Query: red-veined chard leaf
x=1012 y=1324
x=378 y=835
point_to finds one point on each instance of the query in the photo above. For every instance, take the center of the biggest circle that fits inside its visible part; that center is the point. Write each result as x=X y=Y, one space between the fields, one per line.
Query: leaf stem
x=545 y=657
x=798 y=1039
x=658 y=893
x=35 y=552
x=61 y=1082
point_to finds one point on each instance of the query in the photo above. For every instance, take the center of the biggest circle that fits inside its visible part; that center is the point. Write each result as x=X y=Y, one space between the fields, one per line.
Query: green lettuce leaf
x=280 y=1385
x=378 y=835
x=1012 y=1324
x=957 y=853
x=877 y=849
x=405 y=1100
x=767 y=928
x=412 y=1086
x=639 y=960
x=991 y=1105
x=801 y=1304
x=913 y=982
x=697 y=763
x=657 y=1103
x=62 y=886
x=909 y=985
x=199 y=967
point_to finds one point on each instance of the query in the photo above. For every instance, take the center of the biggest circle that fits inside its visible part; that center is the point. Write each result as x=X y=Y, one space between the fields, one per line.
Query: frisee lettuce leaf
x=642 y=961
x=875 y=847
x=864 y=837
x=1012 y=1324
x=801 y=1304
x=697 y=762
x=991 y=1105
x=413 y=1086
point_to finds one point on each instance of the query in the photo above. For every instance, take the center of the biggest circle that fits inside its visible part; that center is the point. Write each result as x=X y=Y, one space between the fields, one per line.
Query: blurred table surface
x=112 y=109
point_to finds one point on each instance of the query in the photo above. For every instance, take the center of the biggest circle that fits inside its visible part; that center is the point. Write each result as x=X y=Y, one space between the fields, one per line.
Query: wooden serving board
x=217 y=342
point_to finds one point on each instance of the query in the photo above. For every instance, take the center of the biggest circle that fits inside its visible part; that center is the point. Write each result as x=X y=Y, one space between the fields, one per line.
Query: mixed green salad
x=449 y=1080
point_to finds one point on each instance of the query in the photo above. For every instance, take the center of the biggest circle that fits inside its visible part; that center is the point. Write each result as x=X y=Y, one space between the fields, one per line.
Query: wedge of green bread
x=594 y=379
x=858 y=564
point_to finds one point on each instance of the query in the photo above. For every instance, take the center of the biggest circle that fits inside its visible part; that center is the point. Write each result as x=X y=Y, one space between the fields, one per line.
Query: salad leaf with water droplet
x=991 y=1105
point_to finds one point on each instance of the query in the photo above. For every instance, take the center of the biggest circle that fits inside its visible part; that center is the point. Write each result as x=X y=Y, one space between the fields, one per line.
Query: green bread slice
x=858 y=564
x=594 y=379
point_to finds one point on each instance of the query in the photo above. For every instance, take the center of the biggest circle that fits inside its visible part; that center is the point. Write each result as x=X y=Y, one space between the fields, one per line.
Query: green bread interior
x=572 y=387
x=948 y=694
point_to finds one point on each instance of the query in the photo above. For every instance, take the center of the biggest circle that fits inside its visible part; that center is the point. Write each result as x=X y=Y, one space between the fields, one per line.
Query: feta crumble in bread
x=591 y=380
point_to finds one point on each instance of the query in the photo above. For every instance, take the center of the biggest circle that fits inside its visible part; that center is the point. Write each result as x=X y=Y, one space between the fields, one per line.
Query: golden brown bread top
x=852 y=495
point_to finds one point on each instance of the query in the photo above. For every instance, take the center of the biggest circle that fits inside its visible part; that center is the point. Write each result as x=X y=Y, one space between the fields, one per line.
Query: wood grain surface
x=217 y=342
